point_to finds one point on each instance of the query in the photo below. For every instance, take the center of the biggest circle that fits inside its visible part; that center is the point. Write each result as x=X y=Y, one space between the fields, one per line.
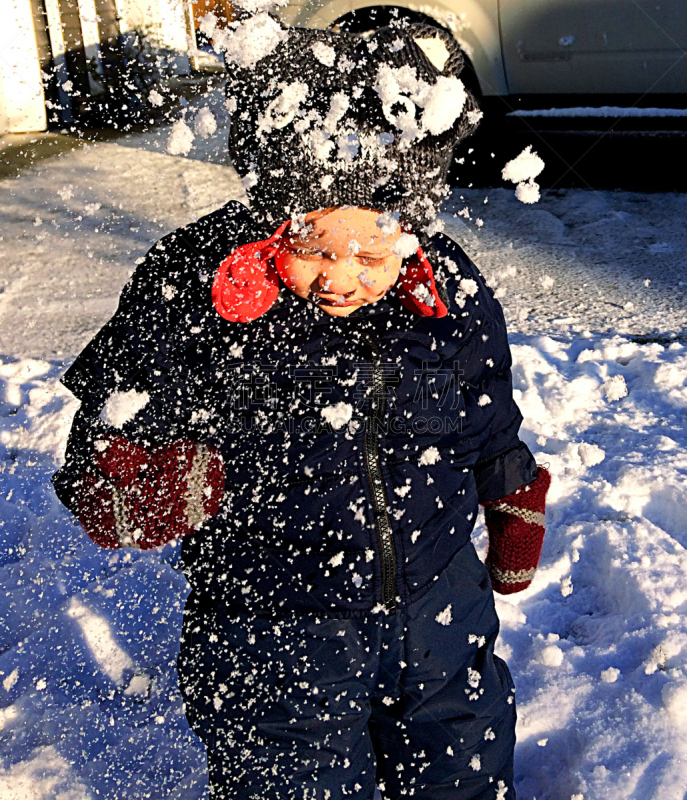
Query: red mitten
x=145 y=497
x=516 y=526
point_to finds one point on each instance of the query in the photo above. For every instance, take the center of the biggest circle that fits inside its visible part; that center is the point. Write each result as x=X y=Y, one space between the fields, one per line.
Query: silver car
x=539 y=47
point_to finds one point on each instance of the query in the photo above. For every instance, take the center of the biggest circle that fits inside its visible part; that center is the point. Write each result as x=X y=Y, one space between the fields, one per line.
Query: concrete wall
x=22 y=104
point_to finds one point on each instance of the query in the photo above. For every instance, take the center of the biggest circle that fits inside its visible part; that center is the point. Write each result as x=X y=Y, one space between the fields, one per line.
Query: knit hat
x=323 y=118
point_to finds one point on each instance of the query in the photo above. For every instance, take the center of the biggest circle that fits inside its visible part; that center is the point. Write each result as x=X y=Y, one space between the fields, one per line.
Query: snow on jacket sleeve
x=505 y=462
x=131 y=475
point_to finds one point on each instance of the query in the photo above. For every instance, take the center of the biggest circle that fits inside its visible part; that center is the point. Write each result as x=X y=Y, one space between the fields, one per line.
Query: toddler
x=314 y=396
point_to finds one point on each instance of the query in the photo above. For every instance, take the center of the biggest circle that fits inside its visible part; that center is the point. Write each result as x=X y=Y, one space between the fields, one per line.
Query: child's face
x=341 y=260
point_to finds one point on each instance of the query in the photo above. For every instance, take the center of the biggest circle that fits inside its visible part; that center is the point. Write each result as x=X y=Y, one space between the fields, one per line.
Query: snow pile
x=522 y=170
x=89 y=705
x=597 y=643
x=45 y=776
x=602 y=249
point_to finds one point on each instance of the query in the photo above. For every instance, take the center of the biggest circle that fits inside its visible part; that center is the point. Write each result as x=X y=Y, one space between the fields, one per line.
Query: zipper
x=373 y=469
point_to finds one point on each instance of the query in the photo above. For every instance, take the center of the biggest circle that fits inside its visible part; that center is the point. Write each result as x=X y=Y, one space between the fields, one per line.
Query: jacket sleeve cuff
x=505 y=472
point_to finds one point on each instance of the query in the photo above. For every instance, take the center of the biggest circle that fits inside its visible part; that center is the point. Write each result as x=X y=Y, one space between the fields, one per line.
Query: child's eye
x=305 y=254
x=369 y=261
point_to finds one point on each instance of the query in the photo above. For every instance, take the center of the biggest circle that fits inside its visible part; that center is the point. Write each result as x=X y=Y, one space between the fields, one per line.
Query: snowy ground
x=598 y=644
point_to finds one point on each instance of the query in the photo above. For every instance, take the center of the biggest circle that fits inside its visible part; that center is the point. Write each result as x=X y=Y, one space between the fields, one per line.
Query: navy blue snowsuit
x=357 y=449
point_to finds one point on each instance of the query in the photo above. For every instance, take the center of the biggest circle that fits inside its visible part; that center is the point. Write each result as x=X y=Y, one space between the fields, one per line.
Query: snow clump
x=444 y=617
x=406 y=245
x=443 y=105
x=205 y=123
x=388 y=222
x=338 y=415
x=528 y=192
x=245 y=43
x=522 y=170
x=122 y=407
x=285 y=106
x=468 y=286
x=338 y=106
x=155 y=98
x=249 y=180
x=324 y=53
x=430 y=456
x=610 y=675
x=551 y=656
x=524 y=167
x=436 y=51
x=615 y=388
x=180 y=139
x=591 y=454
x=423 y=294
x=442 y=102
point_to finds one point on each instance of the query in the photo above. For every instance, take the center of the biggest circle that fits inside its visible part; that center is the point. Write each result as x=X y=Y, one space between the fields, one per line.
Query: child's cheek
x=298 y=275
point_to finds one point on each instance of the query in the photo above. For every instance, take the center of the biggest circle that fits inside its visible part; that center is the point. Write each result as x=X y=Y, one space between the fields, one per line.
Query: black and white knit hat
x=323 y=118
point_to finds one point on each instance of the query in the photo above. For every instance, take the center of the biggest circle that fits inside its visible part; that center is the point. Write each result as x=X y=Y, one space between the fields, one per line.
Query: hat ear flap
x=247 y=283
x=417 y=289
x=439 y=48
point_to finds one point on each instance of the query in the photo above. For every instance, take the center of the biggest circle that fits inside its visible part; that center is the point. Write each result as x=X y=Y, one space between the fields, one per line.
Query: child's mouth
x=326 y=301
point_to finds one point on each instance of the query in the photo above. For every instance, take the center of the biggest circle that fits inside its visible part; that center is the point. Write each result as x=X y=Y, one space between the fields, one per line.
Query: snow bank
x=89 y=705
x=598 y=643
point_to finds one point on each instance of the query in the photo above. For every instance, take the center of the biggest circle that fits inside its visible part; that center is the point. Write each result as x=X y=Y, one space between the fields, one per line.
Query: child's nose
x=338 y=281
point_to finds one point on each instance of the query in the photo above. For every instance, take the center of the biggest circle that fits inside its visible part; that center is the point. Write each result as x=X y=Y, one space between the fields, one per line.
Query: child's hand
x=516 y=526
x=149 y=496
